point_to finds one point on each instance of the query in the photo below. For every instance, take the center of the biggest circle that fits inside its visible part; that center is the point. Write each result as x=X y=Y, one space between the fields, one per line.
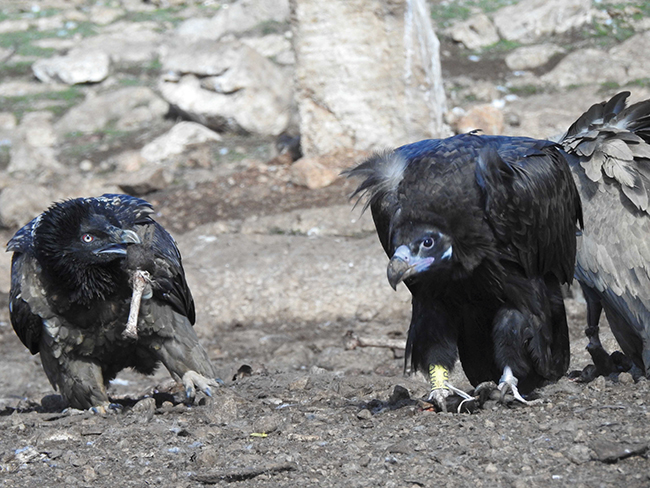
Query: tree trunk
x=368 y=74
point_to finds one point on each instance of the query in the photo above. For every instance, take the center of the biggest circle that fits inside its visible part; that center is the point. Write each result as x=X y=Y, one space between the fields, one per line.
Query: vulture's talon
x=193 y=381
x=439 y=397
x=509 y=382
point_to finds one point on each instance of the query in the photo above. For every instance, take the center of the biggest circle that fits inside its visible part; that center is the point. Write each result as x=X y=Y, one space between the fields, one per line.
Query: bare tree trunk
x=368 y=74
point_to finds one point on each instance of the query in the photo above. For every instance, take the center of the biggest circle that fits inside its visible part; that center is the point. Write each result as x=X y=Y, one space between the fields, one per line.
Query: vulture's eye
x=87 y=238
x=427 y=243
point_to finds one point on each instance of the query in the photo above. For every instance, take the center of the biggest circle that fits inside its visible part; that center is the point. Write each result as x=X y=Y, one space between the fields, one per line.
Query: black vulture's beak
x=400 y=266
x=120 y=238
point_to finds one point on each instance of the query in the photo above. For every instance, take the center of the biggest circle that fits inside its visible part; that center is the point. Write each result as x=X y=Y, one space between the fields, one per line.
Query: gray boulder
x=621 y=64
x=21 y=202
x=528 y=20
x=227 y=86
x=586 y=66
x=476 y=32
x=238 y=17
x=531 y=57
x=124 y=107
x=177 y=140
x=32 y=152
x=275 y=46
x=78 y=66
x=127 y=42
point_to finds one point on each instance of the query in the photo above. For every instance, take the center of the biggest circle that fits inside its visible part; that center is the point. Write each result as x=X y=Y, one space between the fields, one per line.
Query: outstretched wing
x=531 y=203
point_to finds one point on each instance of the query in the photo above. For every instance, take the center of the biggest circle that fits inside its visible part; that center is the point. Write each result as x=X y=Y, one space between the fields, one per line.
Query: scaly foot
x=106 y=408
x=441 y=389
x=507 y=382
x=193 y=380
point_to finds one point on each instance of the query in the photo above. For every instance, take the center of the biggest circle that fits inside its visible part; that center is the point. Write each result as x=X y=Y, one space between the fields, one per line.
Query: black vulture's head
x=420 y=250
x=77 y=242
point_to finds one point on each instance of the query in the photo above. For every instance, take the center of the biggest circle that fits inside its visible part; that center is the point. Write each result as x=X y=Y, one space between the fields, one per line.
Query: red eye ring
x=87 y=238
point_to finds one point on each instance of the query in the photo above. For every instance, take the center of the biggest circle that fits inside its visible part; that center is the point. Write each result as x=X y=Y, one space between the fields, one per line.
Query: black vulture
x=73 y=273
x=482 y=230
x=610 y=144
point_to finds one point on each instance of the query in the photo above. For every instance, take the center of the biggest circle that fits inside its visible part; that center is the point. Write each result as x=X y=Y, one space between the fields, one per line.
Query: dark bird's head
x=422 y=251
x=79 y=242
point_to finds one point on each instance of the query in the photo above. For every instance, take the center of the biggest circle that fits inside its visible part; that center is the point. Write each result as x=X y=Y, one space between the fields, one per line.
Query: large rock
x=102 y=15
x=119 y=106
x=486 y=118
x=549 y=115
x=531 y=57
x=31 y=152
x=621 y=64
x=145 y=181
x=476 y=32
x=228 y=86
x=529 y=20
x=20 y=203
x=128 y=42
x=586 y=66
x=358 y=87
x=632 y=55
x=237 y=17
x=275 y=46
x=78 y=66
x=321 y=171
x=177 y=140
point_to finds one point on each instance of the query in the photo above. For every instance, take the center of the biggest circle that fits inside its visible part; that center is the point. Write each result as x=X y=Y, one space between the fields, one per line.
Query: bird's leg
x=441 y=388
x=438 y=377
x=594 y=309
x=178 y=347
x=601 y=358
x=140 y=281
x=507 y=382
x=80 y=381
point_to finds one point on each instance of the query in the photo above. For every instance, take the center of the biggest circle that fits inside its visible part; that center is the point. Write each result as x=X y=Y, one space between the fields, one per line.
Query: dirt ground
x=299 y=409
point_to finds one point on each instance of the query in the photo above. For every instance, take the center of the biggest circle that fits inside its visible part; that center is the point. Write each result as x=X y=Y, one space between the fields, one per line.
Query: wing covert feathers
x=612 y=141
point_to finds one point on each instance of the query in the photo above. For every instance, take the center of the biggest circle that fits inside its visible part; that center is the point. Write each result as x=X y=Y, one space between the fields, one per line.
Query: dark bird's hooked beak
x=120 y=238
x=401 y=266
x=405 y=264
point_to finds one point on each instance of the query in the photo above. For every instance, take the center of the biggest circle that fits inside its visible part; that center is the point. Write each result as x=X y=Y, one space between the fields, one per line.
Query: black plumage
x=71 y=294
x=482 y=229
x=610 y=148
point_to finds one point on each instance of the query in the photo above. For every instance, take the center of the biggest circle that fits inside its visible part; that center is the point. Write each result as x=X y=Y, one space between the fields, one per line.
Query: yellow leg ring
x=438 y=376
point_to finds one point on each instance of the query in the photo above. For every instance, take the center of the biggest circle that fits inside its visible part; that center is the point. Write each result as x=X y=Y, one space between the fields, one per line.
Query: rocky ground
x=283 y=272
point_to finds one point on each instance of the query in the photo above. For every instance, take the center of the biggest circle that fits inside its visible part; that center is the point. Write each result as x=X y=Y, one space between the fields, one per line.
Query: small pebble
x=364 y=414
x=625 y=379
